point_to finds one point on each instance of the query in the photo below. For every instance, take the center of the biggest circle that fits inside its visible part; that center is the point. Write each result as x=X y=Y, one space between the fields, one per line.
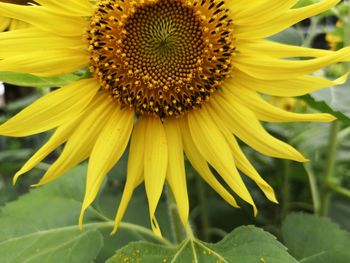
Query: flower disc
x=161 y=57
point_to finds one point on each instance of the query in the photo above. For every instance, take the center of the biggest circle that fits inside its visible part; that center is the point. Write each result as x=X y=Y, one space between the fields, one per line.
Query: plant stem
x=340 y=190
x=312 y=32
x=313 y=187
x=189 y=232
x=107 y=222
x=128 y=227
x=331 y=161
x=177 y=227
x=218 y=232
x=204 y=218
x=144 y=231
x=286 y=188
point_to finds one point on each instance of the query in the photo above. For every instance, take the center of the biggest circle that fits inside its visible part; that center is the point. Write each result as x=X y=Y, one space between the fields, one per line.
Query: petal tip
x=301 y=158
x=306 y=160
x=255 y=210
x=113 y=231
x=329 y=118
x=15 y=178
x=115 y=227
x=155 y=228
x=234 y=204
x=81 y=218
x=274 y=199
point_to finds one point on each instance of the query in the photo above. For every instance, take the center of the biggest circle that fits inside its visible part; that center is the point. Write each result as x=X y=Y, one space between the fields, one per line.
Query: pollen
x=161 y=57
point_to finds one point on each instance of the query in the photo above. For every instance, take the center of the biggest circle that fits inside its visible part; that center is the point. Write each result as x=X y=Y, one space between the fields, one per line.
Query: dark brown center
x=163 y=57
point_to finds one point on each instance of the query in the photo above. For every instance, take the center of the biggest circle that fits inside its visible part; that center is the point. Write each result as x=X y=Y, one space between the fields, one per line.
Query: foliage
x=28 y=80
x=313 y=239
x=56 y=236
x=245 y=244
x=51 y=234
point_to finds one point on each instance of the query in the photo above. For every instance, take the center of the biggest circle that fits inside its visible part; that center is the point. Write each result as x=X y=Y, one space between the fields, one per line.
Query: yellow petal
x=17 y=24
x=213 y=147
x=201 y=166
x=28 y=40
x=238 y=5
x=52 y=110
x=155 y=164
x=285 y=88
x=81 y=142
x=42 y=18
x=247 y=168
x=176 y=175
x=283 y=21
x=244 y=124
x=241 y=160
x=4 y=23
x=60 y=136
x=46 y=62
x=267 y=112
x=263 y=67
x=68 y=7
x=108 y=149
x=260 y=12
x=278 y=50
x=134 y=173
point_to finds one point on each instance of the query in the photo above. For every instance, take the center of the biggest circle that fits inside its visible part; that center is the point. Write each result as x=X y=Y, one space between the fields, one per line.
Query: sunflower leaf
x=64 y=245
x=333 y=256
x=289 y=36
x=28 y=80
x=244 y=245
x=312 y=239
x=303 y=3
x=42 y=226
x=334 y=100
x=337 y=98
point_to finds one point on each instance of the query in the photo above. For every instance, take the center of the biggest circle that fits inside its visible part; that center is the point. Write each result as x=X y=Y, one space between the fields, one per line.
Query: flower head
x=170 y=76
x=162 y=58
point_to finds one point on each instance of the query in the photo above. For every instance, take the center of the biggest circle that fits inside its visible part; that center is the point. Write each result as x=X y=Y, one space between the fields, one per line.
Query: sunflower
x=168 y=76
x=12 y=24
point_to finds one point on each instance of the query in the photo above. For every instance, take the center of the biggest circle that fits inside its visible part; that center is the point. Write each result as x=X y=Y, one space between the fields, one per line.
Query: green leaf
x=339 y=210
x=310 y=238
x=243 y=245
x=28 y=80
x=54 y=245
x=44 y=223
x=42 y=226
x=337 y=98
x=303 y=3
x=324 y=101
x=137 y=214
x=289 y=36
x=333 y=256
